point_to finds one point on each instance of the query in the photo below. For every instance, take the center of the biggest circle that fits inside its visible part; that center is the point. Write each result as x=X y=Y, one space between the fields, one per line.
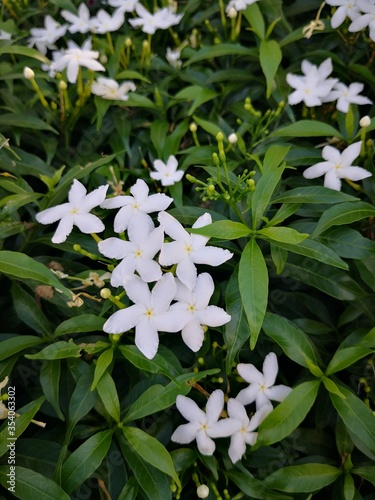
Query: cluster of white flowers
x=360 y=12
x=315 y=88
x=174 y=304
x=206 y=426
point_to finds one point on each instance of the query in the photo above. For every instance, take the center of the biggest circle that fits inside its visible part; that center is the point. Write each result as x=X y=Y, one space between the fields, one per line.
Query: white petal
x=146 y=338
x=249 y=373
x=123 y=273
x=193 y=335
x=76 y=193
x=63 y=229
x=259 y=416
x=187 y=272
x=353 y=173
x=205 y=444
x=338 y=17
x=115 y=248
x=212 y=256
x=139 y=292
x=185 y=433
x=332 y=181
x=156 y=203
x=117 y=202
x=148 y=270
x=154 y=242
x=88 y=223
x=190 y=410
x=138 y=233
x=53 y=214
x=93 y=199
x=171 y=253
x=171 y=321
x=270 y=369
x=237 y=447
x=163 y=293
x=122 y=218
x=204 y=288
x=277 y=392
x=350 y=154
x=123 y=320
x=237 y=410
x=248 y=395
x=214 y=407
x=224 y=427
x=261 y=399
x=317 y=170
x=213 y=316
x=173 y=228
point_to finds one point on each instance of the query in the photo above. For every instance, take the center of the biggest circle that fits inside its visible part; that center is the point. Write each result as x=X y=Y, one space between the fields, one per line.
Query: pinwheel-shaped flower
x=261 y=389
x=75 y=212
x=202 y=426
x=347 y=95
x=107 y=88
x=79 y=23
x=167 y=173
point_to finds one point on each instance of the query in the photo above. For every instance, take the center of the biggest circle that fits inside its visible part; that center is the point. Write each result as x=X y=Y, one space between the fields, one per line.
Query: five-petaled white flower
x=75 y=57
x=149 y=314
x=107 y=88
x=189 y=249
x=167 y=173
x=161 y=19
x=75 y=212
x=345 y=8
x=105 y=23
x=261 y=389
x=245 y=435
x=195 y=304
x=314 y=86
x=136 y=254
x=4 y=35
x=79 y=23
x=45 y=38
x=135 y=209
x=204 y=426
x=347 y=95
x=338 y=166
x=366 y=18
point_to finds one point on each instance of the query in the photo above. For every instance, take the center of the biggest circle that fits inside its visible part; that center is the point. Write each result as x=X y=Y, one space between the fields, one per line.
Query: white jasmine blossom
x=167 y=173
x=261 y=389
x=80 y=23
x=203 y=426
x=45 y=38
x=347 y=95
x=345 y=8
x=75 y=212
x=338 y=166
x=189 y=249
x=134 y=208
x=107 y=88
x=137 y=254
x=173 y=57
x=149 y=314
x=245 y=435
x=365 y=19
x=105 y=23
x=232 y=138
x=195 y=303
x=238 y=5
x=161 y=19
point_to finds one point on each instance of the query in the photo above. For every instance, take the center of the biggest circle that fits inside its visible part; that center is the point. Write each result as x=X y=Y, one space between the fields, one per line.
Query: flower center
x=149 y=313
x=191 y=308
x=188 y=248
x=74 y=211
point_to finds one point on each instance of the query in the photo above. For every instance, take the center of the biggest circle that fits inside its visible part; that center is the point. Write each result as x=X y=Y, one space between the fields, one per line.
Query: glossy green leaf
x=29 y=312
x=287 y=416
x=284 y=212
x=255 y=19
x=313 y=194
x=304 y=478
x=85 y=460
x=102 y=363
x=24 y=51
x=282 y=235
x=223 y=229
x=253 y=286
x=58 y=350
x=31 y=485
x=343 y=213
x=367 y=472
x=357 y=416
x=253 y=487
x=14 y=202
x=140 y=101
x=348 y=243
x=50 y=382
x=82 y=400
x=270 y=56
x=278 y=256
x=346 y=357
x=274 y=156
x=199 y=95
x=155 y=365
x=261 y=198
x=130 y=490
x=80 y=324
x=222 y=49
x=331 y=387
x=293 y=341
x=10 y=120
x=18 y=343
x=107 y=392
x=209 y=127
x=307 y=128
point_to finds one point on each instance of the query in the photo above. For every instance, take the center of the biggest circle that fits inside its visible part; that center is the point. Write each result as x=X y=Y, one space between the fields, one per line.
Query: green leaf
x=80 y=324
x=29 y=312
x=287 y=416
x=209 y=127
x=313 y=194
x=23 y=267
x=255 y=19
x=303 y=478
x=32 y=485
x=58 y=350
x=50 y=382
x=140 y=101
x=346 y=357
x=158 y=133
x=253 y=487
x=343 y=213
x=11 y=120
x=357 y=416
x=236 y=331
x=197 y=94
x=85 y=460
x=274 y=156
x=107 y=391
x=82 y=400
x=292 y=340
x=253 y=286
x=157 y=365
x=270 y=56
x=24 y=51
x=18 y=343
x=13 y=202
x=367 y=472
x=307 y=128
x=223 y=229
x=130 y=490
x=278 y=256
x=263 y=193
x=331 y=387
x=222 y=49
x=348 y=243
x=151 y=451
x=282 y=234
x=102 y=363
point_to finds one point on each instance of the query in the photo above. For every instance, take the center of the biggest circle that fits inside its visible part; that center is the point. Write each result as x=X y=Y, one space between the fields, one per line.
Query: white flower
x=189 y=249
x=347 y=95
x=314 y=86
x=204 y=426
x=137 y=254
x=195 y=303
x=75 y=212
x=167 y=173
x=105 y=23
x=149 y=314
x=338 y=166
x=124 y=5
x=261 y=389
x=366 y=18
x=161 y=19
x=80 y=23
x=4 y=35
x=365 y=121
x=245 y=435
x=107 y=88
x=346 y=8
x=45 y=38
x=75 y=57
x=135 y=209
x=173 y=57
x=238 y=5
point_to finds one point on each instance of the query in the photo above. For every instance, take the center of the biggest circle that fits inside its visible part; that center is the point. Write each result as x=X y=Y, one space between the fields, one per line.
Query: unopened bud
x=365 y=121
x=63 y=85
x=105 y=293
x=193 y=127
x=232 y=138
x=232 y=14
x=128 y=42
x=103 y=58
x=28 y=73
x=203 y=491
x=219 y=137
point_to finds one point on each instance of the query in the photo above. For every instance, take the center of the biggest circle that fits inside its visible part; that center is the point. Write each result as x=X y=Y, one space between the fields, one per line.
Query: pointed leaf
x=58 y=350
x=307 y=128
x=270 y=56
x=80 y=324
x=18 y=343
x=223 y=229
x=282 y=235
x=50 y=382
x=346 y=357
x=262 y=195
x=102 y=363
x=304 y=478
x=254 y=488
x=107 y=391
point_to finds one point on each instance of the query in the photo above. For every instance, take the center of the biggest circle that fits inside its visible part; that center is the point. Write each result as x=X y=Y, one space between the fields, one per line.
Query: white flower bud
x=232 y=139
x=232 y=13
x=364 y=121
x=203 y=491
x=193 y=127
x=28 y=73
